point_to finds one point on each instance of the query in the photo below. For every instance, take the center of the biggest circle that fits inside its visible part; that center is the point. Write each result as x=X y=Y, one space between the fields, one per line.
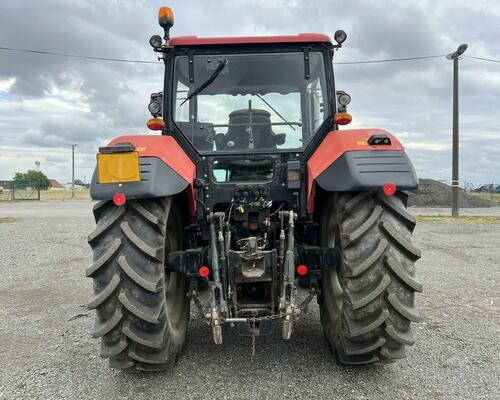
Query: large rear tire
x=368 y=304
x=141 y=309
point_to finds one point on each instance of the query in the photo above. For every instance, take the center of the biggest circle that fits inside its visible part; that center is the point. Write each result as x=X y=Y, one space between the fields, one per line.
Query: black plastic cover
x=157 y=180
x=123 y=147
x=369 y=170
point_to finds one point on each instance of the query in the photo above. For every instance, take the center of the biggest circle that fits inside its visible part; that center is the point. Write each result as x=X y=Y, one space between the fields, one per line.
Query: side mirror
x=280 y=138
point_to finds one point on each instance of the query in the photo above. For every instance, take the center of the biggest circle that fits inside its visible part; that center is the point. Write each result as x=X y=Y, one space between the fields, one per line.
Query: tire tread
x=377 y=278
x=129 y=285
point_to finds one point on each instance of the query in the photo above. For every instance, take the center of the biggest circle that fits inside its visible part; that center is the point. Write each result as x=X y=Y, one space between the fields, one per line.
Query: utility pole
x=455 y=147
x=73 y=170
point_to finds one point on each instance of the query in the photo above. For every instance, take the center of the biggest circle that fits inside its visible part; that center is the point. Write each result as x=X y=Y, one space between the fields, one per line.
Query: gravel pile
x=431 y=193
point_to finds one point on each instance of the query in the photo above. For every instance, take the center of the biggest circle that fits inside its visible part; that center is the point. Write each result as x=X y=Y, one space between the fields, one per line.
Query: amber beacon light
x=165 y=17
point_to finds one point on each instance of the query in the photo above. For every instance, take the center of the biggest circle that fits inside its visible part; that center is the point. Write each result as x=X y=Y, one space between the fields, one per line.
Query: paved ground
x=46 y=351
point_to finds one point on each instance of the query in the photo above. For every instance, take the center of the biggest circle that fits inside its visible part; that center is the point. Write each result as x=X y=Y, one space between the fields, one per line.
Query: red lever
x=203 y=271
x=302 y=270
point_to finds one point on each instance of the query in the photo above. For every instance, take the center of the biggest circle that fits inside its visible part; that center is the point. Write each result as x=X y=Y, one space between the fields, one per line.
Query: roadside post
x=455 y=146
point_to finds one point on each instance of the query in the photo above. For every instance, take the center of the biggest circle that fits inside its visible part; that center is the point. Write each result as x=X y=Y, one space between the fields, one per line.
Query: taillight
x=343 y=118
x=389 y=189
x=119 y=199
x=156 y=124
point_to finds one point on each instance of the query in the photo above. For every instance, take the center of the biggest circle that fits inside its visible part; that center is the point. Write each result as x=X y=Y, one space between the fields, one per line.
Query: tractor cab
x=263 y=99
x=248 y=110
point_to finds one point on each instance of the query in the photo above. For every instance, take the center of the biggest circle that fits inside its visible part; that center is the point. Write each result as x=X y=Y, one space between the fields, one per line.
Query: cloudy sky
x=47 y=103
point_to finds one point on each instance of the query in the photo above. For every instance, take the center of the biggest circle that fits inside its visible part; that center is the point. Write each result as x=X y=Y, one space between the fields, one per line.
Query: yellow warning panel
x=118 y=167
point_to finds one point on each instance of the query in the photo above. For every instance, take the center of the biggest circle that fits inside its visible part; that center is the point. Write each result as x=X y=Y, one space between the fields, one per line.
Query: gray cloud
x=57 y=101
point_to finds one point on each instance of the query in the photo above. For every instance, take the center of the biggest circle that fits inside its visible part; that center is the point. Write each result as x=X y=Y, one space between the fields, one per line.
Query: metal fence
x=489 y=190
x=13 y=191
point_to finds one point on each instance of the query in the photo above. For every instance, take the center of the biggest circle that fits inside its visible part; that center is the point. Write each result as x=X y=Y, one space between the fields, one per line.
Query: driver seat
x=264 y=137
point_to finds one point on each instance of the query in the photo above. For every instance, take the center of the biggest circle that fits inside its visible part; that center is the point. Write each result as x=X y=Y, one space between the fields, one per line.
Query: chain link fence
x=488 y=191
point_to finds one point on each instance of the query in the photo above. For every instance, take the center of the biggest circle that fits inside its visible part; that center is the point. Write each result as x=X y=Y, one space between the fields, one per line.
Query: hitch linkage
x=287 y=304
x=219 y=305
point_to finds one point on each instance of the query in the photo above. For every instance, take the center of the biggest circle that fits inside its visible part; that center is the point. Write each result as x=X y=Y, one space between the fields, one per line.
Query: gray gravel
x=484 y=211
x=46 y=351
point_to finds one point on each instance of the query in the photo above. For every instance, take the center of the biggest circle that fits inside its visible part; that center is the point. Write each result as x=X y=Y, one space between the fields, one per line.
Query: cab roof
x=300 y=38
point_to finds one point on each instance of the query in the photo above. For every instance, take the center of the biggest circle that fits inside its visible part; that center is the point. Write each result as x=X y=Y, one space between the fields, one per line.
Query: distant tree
x=79 y=182
x=32 y=177
x=19 y=177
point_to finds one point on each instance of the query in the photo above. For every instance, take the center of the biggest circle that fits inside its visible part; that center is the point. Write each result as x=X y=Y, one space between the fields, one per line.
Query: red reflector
x=389 y=189
x=204 y=271
x=119 y=199
x=302 y=270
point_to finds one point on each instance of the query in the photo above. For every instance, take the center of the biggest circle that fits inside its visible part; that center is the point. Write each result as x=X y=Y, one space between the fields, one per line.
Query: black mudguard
x=369 y=170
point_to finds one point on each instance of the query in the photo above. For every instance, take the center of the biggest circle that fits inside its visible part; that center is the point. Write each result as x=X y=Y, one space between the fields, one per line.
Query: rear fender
x=165 y=170
x=344 y=161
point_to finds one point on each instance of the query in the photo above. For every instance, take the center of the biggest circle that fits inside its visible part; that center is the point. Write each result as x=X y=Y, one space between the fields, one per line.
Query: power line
x=483 y=59
x=50 y=53
x=388 y=60
x=155 y=62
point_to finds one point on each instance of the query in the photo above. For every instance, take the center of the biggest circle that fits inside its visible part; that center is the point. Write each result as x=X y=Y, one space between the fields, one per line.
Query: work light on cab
x=340 y=36
x=154 y=108
x=344 y=99
x=155 y=41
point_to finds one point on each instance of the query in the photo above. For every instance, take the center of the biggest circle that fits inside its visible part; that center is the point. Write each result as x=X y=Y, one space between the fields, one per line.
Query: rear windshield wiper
x=276 y=111
x=215 y=74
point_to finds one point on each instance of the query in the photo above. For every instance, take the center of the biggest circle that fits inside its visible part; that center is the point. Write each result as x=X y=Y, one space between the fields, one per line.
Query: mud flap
x=368 y=170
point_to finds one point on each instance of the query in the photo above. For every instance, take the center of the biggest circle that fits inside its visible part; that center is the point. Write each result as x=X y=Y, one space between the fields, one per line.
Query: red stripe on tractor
x=300 y=38
x=334 y=145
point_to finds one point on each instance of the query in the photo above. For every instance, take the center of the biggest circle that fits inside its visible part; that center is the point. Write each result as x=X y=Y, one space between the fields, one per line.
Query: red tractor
x=250 y=203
